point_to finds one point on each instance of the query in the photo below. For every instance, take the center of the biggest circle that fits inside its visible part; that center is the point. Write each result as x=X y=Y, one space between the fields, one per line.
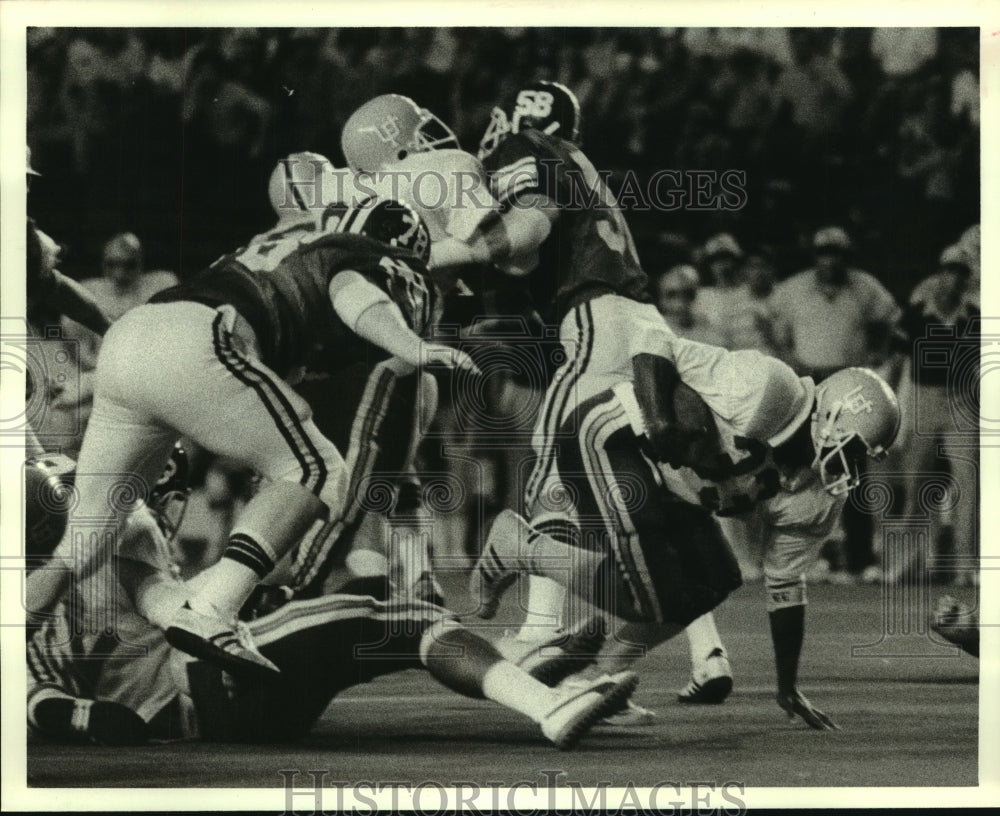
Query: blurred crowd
x=860 y=149
x=172 y=132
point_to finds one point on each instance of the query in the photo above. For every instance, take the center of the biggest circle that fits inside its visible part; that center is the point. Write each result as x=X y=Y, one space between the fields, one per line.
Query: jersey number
x=612 y=227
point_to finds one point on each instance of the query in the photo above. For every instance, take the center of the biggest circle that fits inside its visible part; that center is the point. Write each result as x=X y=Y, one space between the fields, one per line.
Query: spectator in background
x=945 y=301
x=125 y=283
x=123 y=286
x=902 y=52
x=833 y=315
x=969 y=243
x=738 y=313
x=674 y=293
x=829 y=317
x=53 y=387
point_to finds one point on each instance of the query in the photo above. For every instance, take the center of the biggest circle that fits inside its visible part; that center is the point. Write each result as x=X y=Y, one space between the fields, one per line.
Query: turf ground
x=906 y=720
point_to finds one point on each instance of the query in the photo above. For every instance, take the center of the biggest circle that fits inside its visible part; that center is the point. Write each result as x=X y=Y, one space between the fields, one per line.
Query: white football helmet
x=300 y=183
x=856 y=415
x=389 y=128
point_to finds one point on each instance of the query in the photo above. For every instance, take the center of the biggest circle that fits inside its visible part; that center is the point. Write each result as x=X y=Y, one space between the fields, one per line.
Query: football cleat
x=957 y=624
x=226 y=644
x=103 y=722
x=711 y=681
x=583 y=705
x=559 y=655
x=631 y=716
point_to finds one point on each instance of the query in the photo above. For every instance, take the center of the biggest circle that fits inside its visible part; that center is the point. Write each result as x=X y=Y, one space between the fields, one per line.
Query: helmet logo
x=857 y=403
x=388 y=131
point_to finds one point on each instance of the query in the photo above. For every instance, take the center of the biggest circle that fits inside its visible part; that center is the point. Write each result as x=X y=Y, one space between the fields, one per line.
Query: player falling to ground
x=100 y=672
x=229 y=342
x=562 y=231
x=790 y=454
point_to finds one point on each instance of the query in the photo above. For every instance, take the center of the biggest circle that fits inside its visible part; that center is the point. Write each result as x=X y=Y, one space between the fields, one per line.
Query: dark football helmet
x=388 y=222
x=550 y=107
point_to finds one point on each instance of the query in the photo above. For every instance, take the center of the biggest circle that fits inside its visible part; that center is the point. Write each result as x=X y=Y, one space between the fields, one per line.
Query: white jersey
x=96 y=645
x=447 y=188
x=757 y=402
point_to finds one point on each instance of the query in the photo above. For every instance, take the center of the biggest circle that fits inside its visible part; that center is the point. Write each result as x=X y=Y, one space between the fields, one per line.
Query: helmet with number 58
x=856 y=415
x=389 y=128
x=547 y=106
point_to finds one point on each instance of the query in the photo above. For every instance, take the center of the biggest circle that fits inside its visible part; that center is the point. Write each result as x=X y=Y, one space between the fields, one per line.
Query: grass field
x=907 y=721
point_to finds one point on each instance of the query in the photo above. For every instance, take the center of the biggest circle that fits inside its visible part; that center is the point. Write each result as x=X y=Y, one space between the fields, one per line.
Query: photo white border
x=16 y=15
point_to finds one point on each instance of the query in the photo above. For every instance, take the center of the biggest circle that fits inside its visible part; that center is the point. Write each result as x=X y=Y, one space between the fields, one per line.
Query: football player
x=790 y=453
x=99 y=671
x=231 y=340
x=94 y=666
x=562 y=230
x=398 y=149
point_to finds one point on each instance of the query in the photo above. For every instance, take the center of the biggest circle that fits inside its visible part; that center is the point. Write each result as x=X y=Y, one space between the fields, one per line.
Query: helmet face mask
x=856 y=415
x=496 y=132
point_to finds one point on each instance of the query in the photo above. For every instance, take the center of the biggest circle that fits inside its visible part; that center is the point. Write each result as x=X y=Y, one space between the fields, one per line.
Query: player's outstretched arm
x=74 y=301
x=370 y=313
x=510 y=240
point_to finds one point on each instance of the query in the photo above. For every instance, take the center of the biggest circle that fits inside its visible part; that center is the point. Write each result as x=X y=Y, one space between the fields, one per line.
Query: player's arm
x=509 y=240
x=678 y=424
x=74 y=301
x=370 y=313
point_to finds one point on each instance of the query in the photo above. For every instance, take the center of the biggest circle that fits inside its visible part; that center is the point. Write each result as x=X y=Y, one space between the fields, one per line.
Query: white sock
x=703 y=637
x=366 y=564
x=227 y=586
x=545 y=609
x=514 y=688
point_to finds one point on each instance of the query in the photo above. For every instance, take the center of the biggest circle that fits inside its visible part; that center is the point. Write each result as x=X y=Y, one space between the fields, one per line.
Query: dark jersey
x=289 y=307
x=590 y=250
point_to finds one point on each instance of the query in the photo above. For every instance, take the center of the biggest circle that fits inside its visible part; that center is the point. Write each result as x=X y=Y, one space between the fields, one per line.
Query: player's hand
x=795 y=704
x=437 y=355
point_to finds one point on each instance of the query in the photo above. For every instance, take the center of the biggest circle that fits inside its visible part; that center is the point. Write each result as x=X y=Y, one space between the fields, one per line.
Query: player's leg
x=381 y=397
x=786 y=559
x=60 y=711
x=227 y=401
x=123 y=453
x=470 y=665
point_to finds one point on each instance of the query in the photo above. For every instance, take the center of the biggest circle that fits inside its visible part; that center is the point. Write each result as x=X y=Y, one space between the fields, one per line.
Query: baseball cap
x=831 y=238
x=723 y=243
x=953 y=254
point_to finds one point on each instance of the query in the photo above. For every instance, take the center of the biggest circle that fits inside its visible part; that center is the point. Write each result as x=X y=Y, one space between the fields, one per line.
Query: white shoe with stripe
x=227 y=644
x=711 y=681
x=584 y=704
